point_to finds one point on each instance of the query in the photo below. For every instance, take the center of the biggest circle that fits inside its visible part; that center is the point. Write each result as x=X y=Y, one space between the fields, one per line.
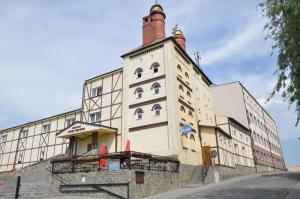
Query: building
x=234 y=100
x=231 y=140
x=158 y=90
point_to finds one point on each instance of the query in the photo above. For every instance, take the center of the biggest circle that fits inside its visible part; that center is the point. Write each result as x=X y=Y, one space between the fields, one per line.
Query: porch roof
x=83 y=129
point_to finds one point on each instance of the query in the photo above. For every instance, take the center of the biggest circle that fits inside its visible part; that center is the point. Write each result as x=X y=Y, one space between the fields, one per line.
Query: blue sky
x=48 y=48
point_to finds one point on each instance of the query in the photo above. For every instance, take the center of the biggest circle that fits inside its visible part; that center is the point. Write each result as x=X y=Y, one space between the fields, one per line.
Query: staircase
x=34 y=183
x=199 y=177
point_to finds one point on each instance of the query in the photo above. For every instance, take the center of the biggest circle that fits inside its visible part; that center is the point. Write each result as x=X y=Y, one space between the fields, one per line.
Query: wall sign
x=114 y=165
x=76 y=129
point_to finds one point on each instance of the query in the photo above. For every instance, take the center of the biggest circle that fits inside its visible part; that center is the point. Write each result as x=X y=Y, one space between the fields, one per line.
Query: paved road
x=268 y=186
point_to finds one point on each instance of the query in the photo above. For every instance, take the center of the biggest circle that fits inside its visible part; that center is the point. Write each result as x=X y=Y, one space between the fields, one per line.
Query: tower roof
x=156 y=7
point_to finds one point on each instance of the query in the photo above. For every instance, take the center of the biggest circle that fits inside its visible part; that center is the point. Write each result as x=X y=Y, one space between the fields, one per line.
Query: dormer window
x=154 y=67
x=138 y=72
x=155 y=87
x=96 y=91
x=139 y=93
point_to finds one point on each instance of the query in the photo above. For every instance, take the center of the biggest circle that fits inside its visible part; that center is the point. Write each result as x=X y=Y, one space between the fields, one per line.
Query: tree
x=283 y=28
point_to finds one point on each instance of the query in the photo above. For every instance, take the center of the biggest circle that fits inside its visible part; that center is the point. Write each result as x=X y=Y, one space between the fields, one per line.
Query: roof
x=104 y=74
x=156 y=42
x=46 y=118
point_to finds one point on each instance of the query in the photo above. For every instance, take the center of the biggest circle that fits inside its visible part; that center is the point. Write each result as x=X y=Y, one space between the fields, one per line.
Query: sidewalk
x=181 y=192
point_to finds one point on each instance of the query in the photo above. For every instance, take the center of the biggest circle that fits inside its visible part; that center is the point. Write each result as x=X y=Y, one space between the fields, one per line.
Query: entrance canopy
x=82 y=130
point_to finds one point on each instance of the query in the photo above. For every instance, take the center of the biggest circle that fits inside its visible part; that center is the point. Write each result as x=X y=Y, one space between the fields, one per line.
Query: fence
x=115 y=161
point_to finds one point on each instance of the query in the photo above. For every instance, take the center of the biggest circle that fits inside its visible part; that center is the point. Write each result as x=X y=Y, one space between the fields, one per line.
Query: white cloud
x=247 y=41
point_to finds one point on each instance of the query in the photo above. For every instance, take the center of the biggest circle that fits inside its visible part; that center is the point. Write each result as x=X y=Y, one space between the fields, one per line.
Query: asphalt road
x=268 y=186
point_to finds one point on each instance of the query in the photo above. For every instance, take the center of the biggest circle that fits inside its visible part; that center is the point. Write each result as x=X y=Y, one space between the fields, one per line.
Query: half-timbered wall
x=108 y=102
x=30 y=143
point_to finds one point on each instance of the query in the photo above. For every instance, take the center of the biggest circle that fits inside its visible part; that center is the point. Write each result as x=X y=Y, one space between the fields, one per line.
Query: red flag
x=127 y=148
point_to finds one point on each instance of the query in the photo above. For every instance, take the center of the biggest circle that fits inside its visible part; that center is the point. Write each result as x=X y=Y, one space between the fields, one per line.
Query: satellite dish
x=186 y=129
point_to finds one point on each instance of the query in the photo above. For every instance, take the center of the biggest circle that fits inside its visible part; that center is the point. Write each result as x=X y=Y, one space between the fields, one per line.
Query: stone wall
x=154 y=181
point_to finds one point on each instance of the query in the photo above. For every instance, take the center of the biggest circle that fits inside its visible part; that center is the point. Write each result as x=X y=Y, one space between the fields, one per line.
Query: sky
x=49 y=48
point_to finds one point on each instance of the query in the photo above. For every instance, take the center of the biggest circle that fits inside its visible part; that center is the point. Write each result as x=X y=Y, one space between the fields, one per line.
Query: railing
x=204 y=171
x=115 y=161
x=94 y=188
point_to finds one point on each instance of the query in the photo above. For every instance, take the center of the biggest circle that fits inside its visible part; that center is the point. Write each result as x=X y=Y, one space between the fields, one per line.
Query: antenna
x=197 y=57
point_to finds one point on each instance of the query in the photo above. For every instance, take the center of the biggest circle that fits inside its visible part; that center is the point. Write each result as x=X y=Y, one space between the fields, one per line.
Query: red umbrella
x=127 y=148
x=102 y=152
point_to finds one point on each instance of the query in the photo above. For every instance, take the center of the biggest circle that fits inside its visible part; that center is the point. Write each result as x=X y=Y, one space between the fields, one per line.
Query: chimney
x=178 y=36
x=154 y=25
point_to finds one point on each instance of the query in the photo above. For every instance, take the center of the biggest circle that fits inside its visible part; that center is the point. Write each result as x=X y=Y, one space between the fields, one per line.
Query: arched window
x=138 y=114
x=182 y=109
x=193 y=142
x=190 y=114
x=179 y=68
x=180 y=87
x=186 y=75
x=156 y=110
x=138 y=93
x=188 y=93
x=154 y=67
x=138 y=72
x=155 y=87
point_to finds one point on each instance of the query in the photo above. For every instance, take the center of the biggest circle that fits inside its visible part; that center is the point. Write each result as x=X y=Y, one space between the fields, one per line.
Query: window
x=188 y=93
x=156 y=110
x=24 y=134
x=96 y=91
x=155 y=87
x=138 y=72
x=154 y=67
x=139 y=114
x=46 y=128
x=3 y=138
x=138 y=93
x=181 y=87
x=186 y=75
x=95 y=117
x=179 y=68
x=70 y=121
x=182 y=109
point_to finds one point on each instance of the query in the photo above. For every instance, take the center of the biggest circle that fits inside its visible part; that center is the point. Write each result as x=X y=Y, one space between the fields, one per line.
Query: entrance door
x=206 y=155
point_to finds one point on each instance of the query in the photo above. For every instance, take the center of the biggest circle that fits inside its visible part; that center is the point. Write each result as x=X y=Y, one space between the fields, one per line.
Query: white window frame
x=95 y=117
x=156 y=88
x=139 y=93
x=24 y=134
x=156 y=110
x=46 y=128
x=139 y=73
x=3 y=138
x=139 y=114
x=97 y=91
x=70 y=121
